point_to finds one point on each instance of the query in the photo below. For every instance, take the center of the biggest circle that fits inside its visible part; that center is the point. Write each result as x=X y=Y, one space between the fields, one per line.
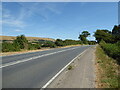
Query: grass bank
x=107 y=70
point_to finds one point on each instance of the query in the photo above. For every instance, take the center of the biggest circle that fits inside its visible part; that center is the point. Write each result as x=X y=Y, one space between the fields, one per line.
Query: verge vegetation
x=107 y=70
x=108 y=57
x=21 y=43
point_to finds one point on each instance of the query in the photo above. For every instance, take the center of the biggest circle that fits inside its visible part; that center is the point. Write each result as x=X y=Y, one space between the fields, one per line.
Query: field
x=28 y=38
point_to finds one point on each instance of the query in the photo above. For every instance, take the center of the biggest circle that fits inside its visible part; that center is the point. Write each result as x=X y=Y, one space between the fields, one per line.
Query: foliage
x=70 y=67
x=85 y=33
x=66 y=42
x=116 y=33
x=108 y=36
x=22 y=41
x=49 y=44
x=19 y=43
x=83 y=37
x=16 y=45
x=103 y=35
x=107 y=70
x=59 y=42
x=116 y=30
x=113 y=50
x=71 y=42
x=33 y=46
x=7 y=47
x=0 y=47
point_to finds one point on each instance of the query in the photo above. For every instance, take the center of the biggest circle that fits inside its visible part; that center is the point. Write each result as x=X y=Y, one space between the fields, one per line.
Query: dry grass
x=28 y=38
x=22 y=51
x=107 y=70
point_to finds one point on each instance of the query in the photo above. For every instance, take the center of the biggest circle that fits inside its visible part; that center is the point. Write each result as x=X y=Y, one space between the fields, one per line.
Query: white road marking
x=53 y=78
x=25 y=60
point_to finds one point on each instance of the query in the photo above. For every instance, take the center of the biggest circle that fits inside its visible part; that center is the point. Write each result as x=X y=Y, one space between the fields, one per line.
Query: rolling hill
x=11 y=38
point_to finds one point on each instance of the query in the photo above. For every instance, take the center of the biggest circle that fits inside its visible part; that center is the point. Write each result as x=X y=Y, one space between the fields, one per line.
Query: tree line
x=21 y=43
x=102 y=36
x=110 y=41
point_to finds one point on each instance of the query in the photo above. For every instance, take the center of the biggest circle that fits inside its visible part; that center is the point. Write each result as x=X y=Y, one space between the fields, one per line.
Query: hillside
x=10 y=38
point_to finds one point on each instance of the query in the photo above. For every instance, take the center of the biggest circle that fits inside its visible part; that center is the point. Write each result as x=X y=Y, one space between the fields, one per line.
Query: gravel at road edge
x=82 y=74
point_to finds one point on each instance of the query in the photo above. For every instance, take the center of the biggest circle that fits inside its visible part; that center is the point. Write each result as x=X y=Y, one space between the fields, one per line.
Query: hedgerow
x=112 y=50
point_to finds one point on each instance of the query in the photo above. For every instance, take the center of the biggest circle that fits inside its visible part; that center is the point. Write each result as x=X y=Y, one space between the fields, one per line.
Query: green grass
x=108 y=70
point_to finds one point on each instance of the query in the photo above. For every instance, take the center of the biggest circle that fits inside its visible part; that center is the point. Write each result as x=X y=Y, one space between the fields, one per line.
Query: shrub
x=49 y=44
x=70 y=67
x=16 y=46
x=59 y=42
x=34 y=46
x=7 y=47
x=22 y=41
x=113 y=50
x=0 y=47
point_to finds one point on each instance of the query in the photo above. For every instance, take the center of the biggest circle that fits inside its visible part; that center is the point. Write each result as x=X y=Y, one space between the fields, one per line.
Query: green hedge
x=113 y=50
x=8 y=47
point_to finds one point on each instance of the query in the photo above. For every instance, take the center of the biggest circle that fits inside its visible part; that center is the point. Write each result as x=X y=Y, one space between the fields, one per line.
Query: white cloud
x=18 y=30
x=26 y=11
x=10 y=20
x=15 y=23
x=41 y=9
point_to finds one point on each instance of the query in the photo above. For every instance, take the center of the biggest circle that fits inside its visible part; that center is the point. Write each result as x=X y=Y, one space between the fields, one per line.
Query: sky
x=64 y=20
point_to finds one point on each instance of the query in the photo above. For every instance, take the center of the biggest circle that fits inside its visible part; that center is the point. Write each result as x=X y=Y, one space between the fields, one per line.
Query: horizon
x=54 y=20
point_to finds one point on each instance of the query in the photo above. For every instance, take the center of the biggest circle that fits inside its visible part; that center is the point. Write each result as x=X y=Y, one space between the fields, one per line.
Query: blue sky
x=64 y=20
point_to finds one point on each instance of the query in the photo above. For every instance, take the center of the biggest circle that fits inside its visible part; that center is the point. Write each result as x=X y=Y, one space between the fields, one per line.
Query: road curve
x=36 y=72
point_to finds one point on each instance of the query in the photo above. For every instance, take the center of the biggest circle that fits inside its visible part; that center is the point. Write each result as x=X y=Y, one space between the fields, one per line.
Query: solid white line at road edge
x=32 y=58
x=53 y=78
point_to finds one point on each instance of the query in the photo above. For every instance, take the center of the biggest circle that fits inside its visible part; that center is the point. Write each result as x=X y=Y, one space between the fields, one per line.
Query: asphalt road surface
x=33 y=70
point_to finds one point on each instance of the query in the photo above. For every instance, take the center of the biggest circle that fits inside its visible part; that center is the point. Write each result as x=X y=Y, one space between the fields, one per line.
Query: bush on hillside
x=49 y=44
x=7 y=47
x=59 y=42
x=22 y=41
x=34 y=46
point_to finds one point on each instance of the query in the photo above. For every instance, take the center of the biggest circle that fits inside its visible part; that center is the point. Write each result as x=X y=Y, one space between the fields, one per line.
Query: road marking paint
x=32 y=58
x=53 y=78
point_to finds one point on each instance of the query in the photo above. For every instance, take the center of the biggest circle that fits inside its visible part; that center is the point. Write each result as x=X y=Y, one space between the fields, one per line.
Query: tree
x=83 y=36
x=116 y=33
x=22 y=41
x=103 y=35
x=85 y=33
x=116 y=30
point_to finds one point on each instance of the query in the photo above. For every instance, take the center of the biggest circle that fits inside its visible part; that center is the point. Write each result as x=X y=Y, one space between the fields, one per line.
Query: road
x=33 y=70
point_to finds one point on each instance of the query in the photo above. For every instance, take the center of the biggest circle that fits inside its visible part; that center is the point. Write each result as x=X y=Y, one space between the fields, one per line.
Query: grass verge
x=107 y=70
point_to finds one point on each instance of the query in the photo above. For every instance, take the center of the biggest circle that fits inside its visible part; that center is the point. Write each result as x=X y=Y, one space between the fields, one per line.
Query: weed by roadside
x=70 y=67
x=107 y=70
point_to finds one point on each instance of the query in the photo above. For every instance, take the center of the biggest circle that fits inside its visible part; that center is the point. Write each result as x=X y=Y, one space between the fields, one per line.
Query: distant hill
x=11 y=38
